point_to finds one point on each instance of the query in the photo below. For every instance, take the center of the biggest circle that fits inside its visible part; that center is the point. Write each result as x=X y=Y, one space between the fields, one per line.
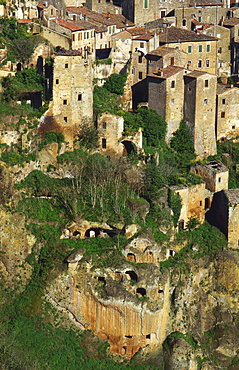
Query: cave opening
x=132 y=275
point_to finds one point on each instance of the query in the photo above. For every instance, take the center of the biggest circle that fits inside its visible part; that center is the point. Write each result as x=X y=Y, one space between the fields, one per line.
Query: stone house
x=163 y=57
x=72 y=93
x=227 y=115
x=201 y=49
x=103 y=6
x=48 y=11
x=184 y=16
x=223 y=48
x=82 y=33
x=165 y=94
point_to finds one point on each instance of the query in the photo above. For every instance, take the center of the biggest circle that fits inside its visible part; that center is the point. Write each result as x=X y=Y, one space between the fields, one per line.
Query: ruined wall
x=215 y=174
x=157 y=94
x=227 y=113
x=110 y=129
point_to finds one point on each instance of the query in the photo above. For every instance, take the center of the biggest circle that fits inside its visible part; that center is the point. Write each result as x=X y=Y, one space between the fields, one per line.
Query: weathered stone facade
x=227 y=119
x=200 y=110
x=72 y=93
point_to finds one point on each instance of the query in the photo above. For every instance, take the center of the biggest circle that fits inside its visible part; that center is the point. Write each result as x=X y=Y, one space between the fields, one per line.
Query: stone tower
x=199 y=110
x=72 y=92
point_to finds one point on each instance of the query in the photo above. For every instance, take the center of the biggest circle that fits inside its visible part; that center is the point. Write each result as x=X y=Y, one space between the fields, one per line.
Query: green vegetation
x=115 y=83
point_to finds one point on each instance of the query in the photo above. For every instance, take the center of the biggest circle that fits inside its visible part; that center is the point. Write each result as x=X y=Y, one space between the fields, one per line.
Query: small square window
x=172 y=84
x=57 y=81
x=66 y=65
x=103 y=143
x=219 y=179
x=64 y=102
x=222 y=114
x=79 y=97
x=223 y=101
x=65 y=119
x=233 y=127
x=141 y=45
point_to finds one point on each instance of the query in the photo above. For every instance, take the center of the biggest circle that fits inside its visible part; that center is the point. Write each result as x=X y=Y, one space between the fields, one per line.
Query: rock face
x=136 y=305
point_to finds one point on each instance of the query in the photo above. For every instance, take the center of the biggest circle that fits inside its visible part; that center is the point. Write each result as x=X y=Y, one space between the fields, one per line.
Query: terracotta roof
x=143 y=37
x=231 y=22
x=175 y=34
x=23 y=21
x=68 y=24
x=138 y=31
x=85 y=25
x=163 y=50
x=101 y=18
x=166 y=72
x=196 y=74
x=123 y=34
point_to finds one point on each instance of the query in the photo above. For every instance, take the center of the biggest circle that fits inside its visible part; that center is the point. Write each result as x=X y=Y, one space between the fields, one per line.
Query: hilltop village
x=119 y=155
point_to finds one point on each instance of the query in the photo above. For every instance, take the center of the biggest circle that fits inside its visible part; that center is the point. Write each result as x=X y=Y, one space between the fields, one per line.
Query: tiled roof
x=231 y=22
x=196 y=74
x=166 y=72
x=175 y=34
x=24 y=21
x=138 y=31
x=68 y=24
x=85 y=25
x=101 y=18
x=163 y=50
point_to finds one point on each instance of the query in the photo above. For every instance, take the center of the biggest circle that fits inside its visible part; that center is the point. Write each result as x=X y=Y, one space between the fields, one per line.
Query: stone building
x=163 y=57
x=165 y=94
x=233 y=25
x=103 y=6
x=197 y=199
x=227 y=114
x=201 y=49
x=199 y=110
x=113 y=142
x=223 y=47
x=72 y=93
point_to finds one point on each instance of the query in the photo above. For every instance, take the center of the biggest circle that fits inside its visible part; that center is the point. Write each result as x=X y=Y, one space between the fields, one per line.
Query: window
x=219 y=50
x=57 y=81
x=205 y=102
x=223 y=101
x=140 y=75
x=199 y=19
x=200 y=203
x=132 y=71
x=146 y=4
x=79 y=36
x=233 y=127
x=64 y=102
x=141 y=45
x=184 y=23
x=206 y=83
x=172 y=101
x=189 y=49
x=177 y=47
x=79 y=97
x=222 y=114
x=140 y=59
x=199 y=48
x=172 y=61
x=199 y=63
x=189 y=63
x=172 y=84
x=163 y=13
x=104 y=125
x=65 y=119
x=73 y=37
x=219 y=179
x=66 y=65
x=207 y=63
x=103 y=143
x=208 y=48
